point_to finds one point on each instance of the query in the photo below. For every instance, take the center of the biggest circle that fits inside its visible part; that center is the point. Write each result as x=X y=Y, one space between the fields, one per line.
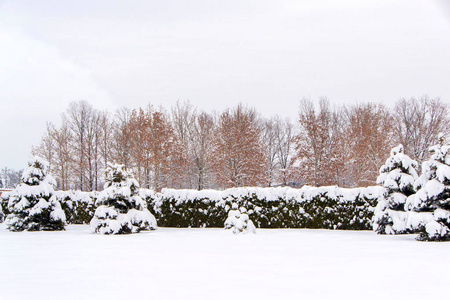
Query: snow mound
x=238 y=221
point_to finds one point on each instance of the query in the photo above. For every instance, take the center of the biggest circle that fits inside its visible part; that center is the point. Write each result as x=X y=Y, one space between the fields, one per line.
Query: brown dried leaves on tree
x=238 y=154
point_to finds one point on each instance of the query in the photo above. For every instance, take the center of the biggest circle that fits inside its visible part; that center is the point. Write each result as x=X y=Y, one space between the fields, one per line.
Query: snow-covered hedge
x=282 y=207
x=78 y=206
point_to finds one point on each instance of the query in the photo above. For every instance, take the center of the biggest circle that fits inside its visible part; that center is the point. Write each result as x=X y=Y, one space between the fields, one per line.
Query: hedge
x=281 y=207
x=308 y=207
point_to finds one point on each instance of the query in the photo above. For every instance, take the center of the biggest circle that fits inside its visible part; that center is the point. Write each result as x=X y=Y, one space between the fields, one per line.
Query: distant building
x=4 y=190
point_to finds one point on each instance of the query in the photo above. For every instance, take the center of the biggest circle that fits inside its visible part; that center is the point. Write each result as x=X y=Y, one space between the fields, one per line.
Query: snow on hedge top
x=305 y=193
x=76 y=196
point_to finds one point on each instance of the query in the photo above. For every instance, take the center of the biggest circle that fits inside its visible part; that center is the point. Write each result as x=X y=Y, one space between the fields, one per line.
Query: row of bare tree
x=187 y=148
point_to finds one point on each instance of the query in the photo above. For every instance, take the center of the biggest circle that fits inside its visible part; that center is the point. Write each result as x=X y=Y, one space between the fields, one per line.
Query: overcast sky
x=267 y=54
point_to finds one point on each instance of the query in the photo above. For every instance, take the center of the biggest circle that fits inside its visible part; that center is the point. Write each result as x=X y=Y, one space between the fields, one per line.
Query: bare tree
x=369 y=134
x=93 y=160
x=277 y=137
x=268 y=134
x=140 y=144
x=418 y=123
x=106 y=138
x=189 y=149
x=154 y=146
x=46 y=147
x=122 y=137
x=77 y=115
x=183 y=117
x=201 y=136
x=284 y=150
x=195 y=133
x=73 y=150
x=62 y=162
x=238 y=155
x=319 y=143
x=83 y=121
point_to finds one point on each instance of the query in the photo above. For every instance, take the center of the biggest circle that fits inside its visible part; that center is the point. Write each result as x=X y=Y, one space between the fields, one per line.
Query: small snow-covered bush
x=281 y=207
x=120 y=210
x=238 y=220
x=430 y=206
x=32 y=205
x=397 y=176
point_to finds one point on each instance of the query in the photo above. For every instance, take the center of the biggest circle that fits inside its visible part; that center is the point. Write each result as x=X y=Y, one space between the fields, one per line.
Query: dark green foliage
x=43 y=222
x=191 y=213
x=4 y=206
x=424 y=236
x=78 y=206
x=321 y=211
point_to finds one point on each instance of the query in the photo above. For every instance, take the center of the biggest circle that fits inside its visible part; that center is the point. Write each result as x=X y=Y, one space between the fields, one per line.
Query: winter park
x=224 y=149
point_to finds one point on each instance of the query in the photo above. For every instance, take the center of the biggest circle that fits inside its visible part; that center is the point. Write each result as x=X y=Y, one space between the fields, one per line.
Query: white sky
x=267 y=54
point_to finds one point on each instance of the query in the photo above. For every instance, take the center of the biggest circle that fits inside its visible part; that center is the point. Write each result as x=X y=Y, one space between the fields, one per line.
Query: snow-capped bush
x=32 y=205
x=397 y=176
x=432 y=200
x=120 y=210
x=281 y=207
x=238 y=220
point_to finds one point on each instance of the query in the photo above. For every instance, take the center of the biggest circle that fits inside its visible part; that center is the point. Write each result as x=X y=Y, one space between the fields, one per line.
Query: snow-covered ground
x=214 y=264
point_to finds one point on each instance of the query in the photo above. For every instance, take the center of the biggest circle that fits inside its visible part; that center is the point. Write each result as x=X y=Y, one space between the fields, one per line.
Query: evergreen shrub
x=308 y=207
x=281 y=207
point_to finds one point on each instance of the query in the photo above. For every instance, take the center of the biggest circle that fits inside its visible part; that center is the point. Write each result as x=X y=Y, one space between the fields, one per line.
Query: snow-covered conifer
x=120 y=209
x=32 y=205
x=432 y=200
x=397 y=176
x=238 y=220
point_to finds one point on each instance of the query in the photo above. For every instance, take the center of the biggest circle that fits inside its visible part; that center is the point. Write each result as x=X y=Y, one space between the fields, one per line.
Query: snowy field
x=214 y=264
